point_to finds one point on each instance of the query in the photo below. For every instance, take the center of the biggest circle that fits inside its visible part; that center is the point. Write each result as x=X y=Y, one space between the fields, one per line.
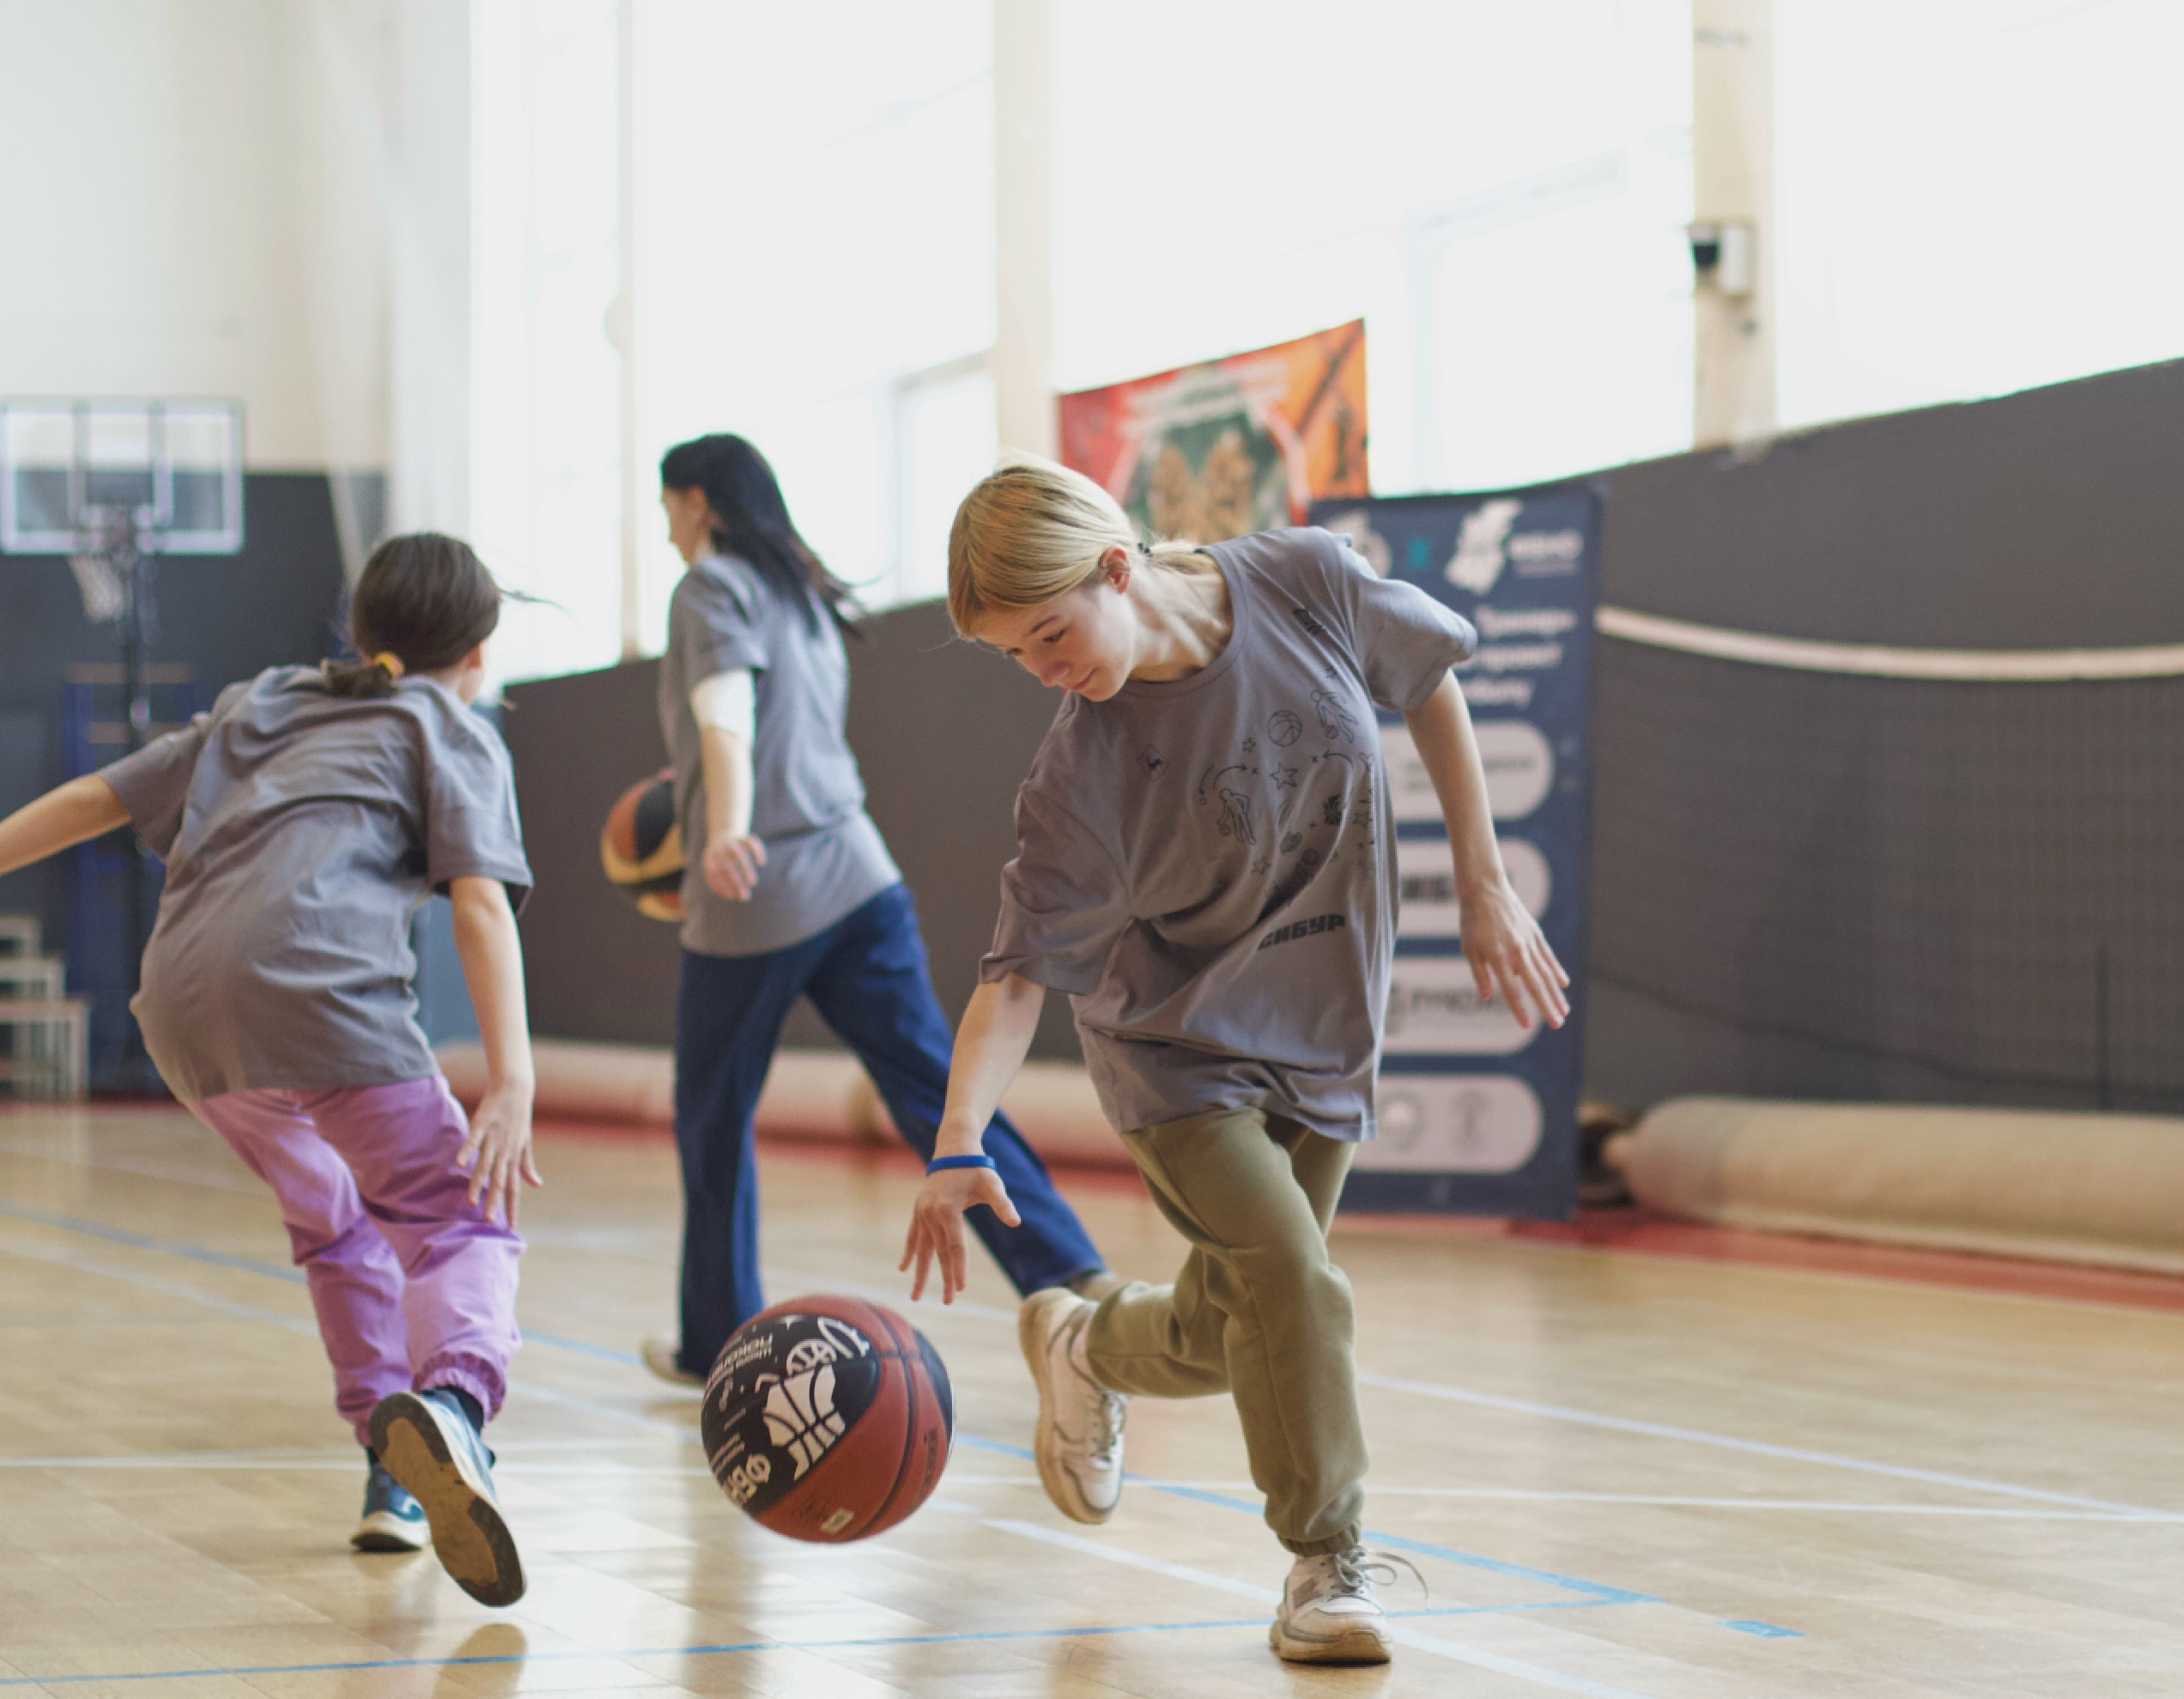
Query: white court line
x=1660 y=1430
x=516 y=1461
x=1428 y=1389
x=605 y=1413
x=1652 y=1430
x=1402 y=1633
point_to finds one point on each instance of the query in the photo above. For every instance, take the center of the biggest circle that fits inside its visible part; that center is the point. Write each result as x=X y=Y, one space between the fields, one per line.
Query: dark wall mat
x=593 y=967
x=1837 y=887
x=943 y=732
x=225 y=617
x=2048 y=519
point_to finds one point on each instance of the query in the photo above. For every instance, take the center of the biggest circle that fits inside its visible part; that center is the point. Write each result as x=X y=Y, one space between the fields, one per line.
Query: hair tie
x=389 y=663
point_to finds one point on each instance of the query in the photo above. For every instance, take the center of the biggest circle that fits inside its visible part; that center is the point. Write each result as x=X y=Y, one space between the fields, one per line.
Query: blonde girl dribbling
x=1206 y=863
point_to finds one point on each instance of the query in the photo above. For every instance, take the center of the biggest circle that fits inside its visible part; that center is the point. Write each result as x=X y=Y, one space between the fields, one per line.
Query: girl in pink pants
x=304 y=822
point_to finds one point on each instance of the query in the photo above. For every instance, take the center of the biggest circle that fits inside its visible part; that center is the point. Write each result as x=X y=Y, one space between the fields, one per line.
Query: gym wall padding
x=1803 y=886
x=943 y=731
x=2105 y=1189
x=225 y=617
x=814 y=1094
x=1818 y=886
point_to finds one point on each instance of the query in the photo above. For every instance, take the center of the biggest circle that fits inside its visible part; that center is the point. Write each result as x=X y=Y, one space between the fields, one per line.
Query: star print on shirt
x=1285 y=777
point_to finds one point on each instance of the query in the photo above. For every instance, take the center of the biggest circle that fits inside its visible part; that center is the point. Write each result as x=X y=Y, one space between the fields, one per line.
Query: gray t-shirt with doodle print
x=1207 y=865
x=301 y=832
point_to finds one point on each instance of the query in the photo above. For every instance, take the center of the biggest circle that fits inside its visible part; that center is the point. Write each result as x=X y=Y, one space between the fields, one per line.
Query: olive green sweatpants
x=1257 y=1310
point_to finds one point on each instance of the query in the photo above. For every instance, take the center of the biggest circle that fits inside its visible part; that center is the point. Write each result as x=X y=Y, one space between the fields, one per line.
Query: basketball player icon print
x=1336 y=720
x=1235 y=816
x=800 y=1415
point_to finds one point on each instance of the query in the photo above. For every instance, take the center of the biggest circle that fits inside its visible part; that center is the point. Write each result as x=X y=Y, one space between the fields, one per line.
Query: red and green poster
x=1231 y=446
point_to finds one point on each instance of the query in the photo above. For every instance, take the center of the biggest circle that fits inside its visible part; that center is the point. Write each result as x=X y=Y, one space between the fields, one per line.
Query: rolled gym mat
x=2085 y=1188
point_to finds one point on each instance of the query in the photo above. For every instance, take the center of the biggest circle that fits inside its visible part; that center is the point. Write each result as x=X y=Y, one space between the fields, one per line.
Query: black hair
x=751 y=520
x=425 y=599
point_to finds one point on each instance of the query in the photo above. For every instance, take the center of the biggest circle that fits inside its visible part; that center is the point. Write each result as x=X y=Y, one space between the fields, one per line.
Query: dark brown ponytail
x=424 y=601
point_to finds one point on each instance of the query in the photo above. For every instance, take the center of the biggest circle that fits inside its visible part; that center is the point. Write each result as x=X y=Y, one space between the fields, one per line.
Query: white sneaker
x=1078 y=1442
x=663 y=1355
x=1329 y=1614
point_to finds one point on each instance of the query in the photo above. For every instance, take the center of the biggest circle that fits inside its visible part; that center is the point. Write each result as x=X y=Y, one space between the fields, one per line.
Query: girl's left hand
x=937 y=1225
x=497 y=1151
x=1510 y=957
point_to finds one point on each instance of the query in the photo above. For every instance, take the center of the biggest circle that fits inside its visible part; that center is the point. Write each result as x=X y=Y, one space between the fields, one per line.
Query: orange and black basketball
x=641 y=846
x=827 y=1418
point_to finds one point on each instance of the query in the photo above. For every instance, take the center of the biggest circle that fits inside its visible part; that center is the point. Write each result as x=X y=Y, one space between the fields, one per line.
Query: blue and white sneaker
x=392 y=1521
x=429 y=1447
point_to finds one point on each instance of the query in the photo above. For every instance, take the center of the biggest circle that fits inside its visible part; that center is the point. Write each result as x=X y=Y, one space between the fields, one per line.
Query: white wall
x=150 y=229
x=264 y=199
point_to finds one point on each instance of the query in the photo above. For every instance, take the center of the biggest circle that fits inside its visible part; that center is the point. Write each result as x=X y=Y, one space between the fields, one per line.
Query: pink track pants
x=413 y=1287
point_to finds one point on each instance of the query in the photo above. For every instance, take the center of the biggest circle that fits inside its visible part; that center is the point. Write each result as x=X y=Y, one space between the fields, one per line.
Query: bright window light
x=818 y=230
x=1975 y=196
x=1500 y=191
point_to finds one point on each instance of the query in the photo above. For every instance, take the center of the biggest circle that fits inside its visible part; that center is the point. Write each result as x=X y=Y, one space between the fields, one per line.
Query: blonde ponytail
x=1032 y=530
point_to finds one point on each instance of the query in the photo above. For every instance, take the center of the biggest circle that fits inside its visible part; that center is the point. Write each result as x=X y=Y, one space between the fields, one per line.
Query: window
x=546 y=456
x=817 y=263
x=1975 y=195
x=1500 y=192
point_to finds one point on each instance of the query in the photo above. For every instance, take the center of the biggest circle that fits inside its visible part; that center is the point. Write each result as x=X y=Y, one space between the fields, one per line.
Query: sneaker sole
x=1032 y=1336
x=382 y=1532
x=1359 y=1646
x=474 y=1544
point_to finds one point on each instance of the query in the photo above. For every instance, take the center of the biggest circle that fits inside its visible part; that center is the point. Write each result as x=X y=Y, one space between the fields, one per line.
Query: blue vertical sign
x=1478 y=1116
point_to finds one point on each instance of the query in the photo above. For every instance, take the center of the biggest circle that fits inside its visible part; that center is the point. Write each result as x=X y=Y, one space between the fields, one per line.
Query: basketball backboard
x=71 y=471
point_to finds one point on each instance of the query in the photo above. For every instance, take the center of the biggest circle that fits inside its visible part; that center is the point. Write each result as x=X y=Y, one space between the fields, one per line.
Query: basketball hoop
x=111 y=484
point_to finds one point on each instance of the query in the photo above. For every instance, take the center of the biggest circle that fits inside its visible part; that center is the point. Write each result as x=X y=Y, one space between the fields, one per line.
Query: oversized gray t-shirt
x=301 y=832
x=1207 y=865
x=824 y=856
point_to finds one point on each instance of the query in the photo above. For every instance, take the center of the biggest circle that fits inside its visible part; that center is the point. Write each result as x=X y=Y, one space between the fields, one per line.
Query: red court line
x=1636 y=1232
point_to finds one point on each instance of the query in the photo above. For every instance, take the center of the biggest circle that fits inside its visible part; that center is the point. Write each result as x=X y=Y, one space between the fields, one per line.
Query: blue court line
x=293 y=1276
x=1598 y=1591
x=142 y=1241
x=729 y=1647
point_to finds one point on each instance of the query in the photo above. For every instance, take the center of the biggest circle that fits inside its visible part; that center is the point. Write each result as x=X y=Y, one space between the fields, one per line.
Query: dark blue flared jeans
x=866 y=976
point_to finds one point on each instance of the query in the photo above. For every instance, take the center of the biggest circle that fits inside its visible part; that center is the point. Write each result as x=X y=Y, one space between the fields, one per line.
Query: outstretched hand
x=1510 y=957
x=496 y=1153
x=936 y=1226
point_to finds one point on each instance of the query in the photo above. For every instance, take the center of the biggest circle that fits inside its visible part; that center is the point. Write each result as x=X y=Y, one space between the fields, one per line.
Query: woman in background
x=789 y=891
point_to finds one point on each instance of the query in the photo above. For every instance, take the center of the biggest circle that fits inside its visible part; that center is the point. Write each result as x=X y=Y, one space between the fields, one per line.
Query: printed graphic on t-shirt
x=1288 y=799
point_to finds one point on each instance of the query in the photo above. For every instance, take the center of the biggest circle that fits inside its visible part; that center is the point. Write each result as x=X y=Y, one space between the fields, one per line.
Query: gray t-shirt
x=301 y=832
x=1207 y=865
x=824 y=856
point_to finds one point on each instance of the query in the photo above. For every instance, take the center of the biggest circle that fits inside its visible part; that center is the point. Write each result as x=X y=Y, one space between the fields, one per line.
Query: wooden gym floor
x=1622 y=1472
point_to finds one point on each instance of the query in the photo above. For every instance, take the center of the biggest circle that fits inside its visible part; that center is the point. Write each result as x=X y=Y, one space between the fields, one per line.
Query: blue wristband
x=981 y=1161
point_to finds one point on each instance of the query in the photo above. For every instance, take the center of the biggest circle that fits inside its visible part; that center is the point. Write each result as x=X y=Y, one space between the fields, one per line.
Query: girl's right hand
x=937 y=1225
x=496 y=1154
x=731 y=864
